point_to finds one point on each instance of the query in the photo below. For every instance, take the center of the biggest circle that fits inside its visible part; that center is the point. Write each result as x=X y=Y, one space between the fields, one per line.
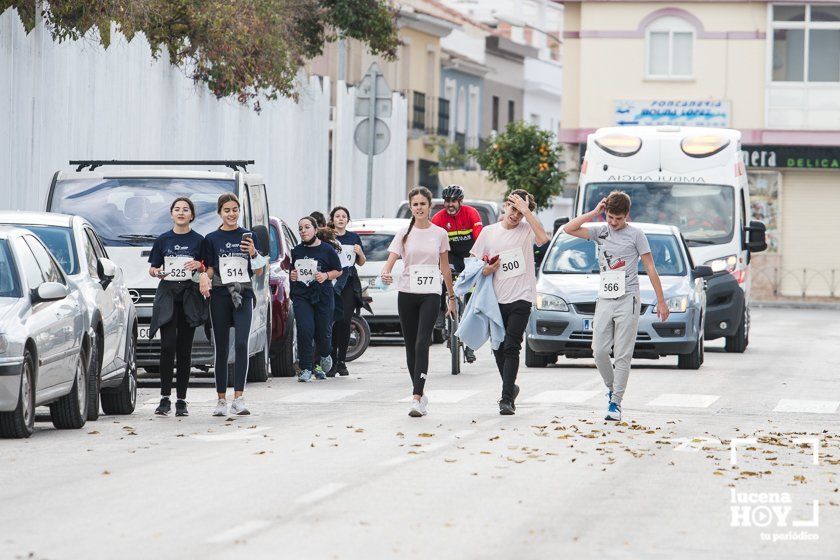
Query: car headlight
x=4 y=344
x=723 y=264
x=675 y=304
x=548 y=302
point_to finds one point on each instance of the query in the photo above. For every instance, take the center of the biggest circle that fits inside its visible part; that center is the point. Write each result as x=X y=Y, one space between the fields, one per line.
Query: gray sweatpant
x=614 y=328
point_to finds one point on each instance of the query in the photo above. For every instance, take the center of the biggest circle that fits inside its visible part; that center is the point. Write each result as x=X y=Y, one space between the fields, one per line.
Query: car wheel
x=534 y=360
x=123 y=399
x=284 y=353
x=20 y=423
x=359 y=338
x=94 y=380
x=737 y=343
x=695 y=359
x=70 y=411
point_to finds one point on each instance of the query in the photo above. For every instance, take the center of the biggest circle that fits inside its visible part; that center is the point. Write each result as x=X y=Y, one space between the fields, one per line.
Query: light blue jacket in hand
x=482 y=318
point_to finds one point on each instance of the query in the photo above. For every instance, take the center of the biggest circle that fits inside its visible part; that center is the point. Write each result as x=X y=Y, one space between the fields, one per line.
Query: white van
x=129 y=208
x=692 y=178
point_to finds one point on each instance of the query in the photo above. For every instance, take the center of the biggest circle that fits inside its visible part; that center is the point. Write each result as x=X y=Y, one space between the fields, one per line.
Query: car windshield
x=135 y=211
x=705 y=214
x=9 y=286
x=483 y=212
x=376 y=245
x=572 y=255
x=59 y=240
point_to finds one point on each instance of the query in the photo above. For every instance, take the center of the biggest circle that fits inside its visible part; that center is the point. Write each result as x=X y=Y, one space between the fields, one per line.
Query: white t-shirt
x=516 y=278
x=423 y=247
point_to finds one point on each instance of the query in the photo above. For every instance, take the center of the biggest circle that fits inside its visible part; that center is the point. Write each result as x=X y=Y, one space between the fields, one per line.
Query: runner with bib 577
x=620 y=246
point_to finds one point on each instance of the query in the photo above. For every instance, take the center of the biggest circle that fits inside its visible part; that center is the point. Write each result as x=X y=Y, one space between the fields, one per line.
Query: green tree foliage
x=450 y=155
x=243 y=48
x=525 y=157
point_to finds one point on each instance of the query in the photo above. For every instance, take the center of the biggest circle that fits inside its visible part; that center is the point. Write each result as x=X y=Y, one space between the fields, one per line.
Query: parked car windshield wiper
x=691 y=242
x=137 y=237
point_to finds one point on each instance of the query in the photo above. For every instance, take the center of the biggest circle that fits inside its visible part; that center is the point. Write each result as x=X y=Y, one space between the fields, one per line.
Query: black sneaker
x=506 y=408
x=469 y=355
x=342 y=370
x=164 y=408
x=181 y=408
x=515 y=394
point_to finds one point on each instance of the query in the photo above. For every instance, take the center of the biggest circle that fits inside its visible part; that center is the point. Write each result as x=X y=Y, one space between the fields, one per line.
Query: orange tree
x=525 y=157
x=247 y=49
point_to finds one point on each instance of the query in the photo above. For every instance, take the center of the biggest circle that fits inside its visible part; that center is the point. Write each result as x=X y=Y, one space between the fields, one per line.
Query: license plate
x=143 y=333
x=587 y=325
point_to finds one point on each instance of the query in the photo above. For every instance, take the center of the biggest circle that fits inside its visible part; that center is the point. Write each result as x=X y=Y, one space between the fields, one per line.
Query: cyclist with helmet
x=463 y=225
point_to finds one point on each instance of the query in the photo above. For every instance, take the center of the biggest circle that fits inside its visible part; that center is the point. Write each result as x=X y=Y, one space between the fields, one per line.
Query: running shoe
x=613 y=412
x=221 y=408
x=424 y=405
x=319 y=373
x=326 y=363
x=238 y=407
x=506 y=408
x=181 y=408
x=469 y=355
x=305 y=376
x=164 y=408
x=342 y=370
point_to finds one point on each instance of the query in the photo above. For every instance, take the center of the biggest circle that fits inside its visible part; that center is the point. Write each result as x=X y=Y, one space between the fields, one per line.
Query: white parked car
x=44 y=346
x=111 y=321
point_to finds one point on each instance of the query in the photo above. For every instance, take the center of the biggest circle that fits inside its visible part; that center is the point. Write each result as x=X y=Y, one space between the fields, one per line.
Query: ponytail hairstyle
x=331 y=223
x=425 y=193
x=325 y=234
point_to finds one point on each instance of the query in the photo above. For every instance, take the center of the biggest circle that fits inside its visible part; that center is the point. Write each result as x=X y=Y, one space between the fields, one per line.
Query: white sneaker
x=424 y=405
x=416 y=411
x=238 y=407
x=221 y=408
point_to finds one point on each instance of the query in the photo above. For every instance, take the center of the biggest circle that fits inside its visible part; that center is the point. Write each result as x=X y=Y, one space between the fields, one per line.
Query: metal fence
x=798 y=282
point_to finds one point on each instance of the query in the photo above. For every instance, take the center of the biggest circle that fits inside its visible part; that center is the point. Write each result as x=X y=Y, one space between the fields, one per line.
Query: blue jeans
x=314 y=324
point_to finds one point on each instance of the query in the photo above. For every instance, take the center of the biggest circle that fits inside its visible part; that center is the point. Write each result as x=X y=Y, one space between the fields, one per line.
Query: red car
x=283 y=331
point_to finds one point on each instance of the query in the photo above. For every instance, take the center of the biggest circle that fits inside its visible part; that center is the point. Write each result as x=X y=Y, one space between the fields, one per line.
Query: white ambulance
x=692 y=178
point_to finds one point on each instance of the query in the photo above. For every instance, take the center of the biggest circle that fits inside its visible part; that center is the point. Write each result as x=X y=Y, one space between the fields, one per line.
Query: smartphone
x=493 y=260
x=247 y=235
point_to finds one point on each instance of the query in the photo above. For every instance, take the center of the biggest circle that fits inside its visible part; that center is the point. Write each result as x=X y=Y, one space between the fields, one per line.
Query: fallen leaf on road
x=93 y=433
x=494 y=438
x=359 y=430
x=106 y=472
x=485 y=453
x=424 y=434
x=450 y=460
x=260 y=453
x=799 y=478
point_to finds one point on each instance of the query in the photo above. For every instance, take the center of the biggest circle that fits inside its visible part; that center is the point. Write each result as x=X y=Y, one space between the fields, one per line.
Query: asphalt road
x=336 y=469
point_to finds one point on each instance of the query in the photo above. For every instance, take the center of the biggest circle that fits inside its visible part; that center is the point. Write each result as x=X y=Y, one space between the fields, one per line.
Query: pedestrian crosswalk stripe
x=818 y=407
x=318 y=396
x=562 y=396
x=684 y=400
x=445 y=396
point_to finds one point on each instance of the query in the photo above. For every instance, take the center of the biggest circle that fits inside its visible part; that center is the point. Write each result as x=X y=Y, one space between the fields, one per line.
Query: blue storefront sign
x=711 y=113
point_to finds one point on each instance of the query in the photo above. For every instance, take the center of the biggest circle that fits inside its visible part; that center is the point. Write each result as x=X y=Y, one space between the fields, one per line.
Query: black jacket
x=195 y=306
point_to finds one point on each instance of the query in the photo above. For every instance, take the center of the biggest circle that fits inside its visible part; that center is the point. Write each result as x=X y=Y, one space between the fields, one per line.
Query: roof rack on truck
x=92 y=164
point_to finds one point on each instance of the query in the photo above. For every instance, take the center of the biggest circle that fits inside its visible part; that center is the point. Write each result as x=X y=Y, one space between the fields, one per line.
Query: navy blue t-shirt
x=327 y=259
x=171 y=244
x=221 y=243
x=349 y=238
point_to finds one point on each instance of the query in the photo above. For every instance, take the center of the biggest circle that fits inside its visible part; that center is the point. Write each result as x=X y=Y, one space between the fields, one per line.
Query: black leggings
x=417 y=319
x=176 y=339
x=515 y=318
x=223 y=316
x=341 y=328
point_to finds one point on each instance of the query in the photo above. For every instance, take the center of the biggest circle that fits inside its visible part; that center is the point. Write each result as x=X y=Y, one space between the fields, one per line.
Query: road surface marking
x=240 y=531
x=816 y=407
x=321 y=493
x=684 y=400
x=445 y=396
x=562 y=396
x=318 y=396
x=245 y=433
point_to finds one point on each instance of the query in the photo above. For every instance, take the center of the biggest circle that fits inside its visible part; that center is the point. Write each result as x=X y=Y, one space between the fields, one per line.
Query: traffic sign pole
x=372 y=138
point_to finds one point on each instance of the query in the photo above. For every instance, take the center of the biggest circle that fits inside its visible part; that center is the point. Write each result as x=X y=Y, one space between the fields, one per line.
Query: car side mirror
x=703 y=271
x=560 y=222
x=107 y=269
x=755 y=237
x=50 y=291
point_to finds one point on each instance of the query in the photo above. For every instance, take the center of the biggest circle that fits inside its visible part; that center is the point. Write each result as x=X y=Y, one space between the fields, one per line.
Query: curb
x=795 y=305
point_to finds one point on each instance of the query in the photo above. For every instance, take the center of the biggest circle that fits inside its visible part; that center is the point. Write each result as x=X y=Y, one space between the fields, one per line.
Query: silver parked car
x=567 y=289
x=44 y=346
x=112 y=319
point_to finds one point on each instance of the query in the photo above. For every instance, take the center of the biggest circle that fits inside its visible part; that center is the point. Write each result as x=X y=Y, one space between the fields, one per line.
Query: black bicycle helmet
x=453 y=191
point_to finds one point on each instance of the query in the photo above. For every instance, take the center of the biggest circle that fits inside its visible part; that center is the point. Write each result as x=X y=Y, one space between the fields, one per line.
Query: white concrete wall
x=543 y=89
x=350 y=163
x=77 y=100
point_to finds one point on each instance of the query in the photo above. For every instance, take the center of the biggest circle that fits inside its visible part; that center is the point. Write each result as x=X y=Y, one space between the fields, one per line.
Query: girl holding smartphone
x=232 y=257
x=424 y=249
x=179 y=307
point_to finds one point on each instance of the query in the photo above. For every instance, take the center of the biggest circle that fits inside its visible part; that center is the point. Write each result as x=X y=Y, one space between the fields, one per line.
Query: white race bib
x=233 y=269
x=348 y=255
x=512 y=263
x=176 y=269
x=611 y=284
x=425 y=279
x=306 y=269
